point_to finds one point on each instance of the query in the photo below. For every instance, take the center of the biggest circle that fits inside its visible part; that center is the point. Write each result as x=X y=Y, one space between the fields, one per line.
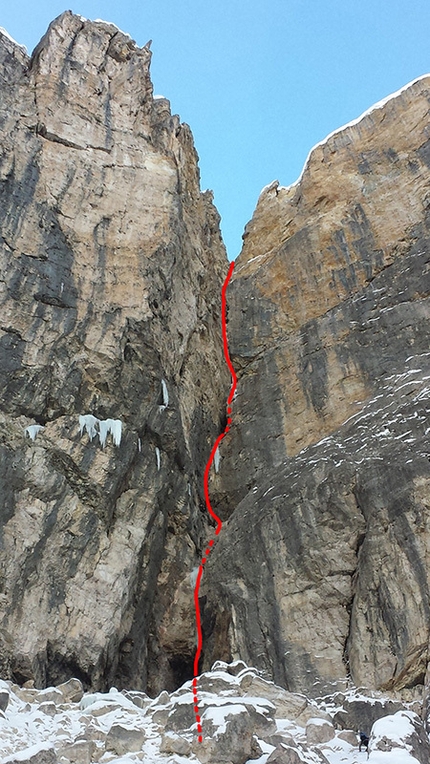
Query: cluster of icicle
x=93 y=426
x=101 y=427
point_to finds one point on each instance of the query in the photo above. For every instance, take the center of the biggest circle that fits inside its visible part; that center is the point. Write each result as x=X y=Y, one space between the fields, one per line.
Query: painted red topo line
x=207 y=498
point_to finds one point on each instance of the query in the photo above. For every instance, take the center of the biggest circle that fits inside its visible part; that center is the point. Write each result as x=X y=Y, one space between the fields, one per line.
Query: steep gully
x=207 y=497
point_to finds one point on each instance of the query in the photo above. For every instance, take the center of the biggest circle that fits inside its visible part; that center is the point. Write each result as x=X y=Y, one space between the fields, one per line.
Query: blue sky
x=259 y=81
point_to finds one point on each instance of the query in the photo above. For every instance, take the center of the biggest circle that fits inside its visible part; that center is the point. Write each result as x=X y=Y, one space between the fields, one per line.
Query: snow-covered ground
x=245 y=718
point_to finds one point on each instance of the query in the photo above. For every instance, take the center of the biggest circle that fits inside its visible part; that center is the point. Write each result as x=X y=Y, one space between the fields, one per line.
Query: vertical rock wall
x=111 y=271
x=322 y=569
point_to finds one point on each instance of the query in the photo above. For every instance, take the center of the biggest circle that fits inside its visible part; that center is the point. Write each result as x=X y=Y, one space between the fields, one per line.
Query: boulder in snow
x=42 y=753
x=403 y=730
x=319 y=731
x=72 y=690
x=123 y=740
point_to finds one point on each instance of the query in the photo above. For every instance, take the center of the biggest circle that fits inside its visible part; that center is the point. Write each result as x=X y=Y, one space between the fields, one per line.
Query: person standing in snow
x=364 y=741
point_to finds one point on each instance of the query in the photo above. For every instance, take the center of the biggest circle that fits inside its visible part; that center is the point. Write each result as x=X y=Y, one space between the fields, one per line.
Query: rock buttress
x=322 y=569
x=112 y=266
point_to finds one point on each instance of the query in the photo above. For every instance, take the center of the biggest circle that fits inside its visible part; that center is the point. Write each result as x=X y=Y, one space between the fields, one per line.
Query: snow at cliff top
x=356 y=121
x=5 y=33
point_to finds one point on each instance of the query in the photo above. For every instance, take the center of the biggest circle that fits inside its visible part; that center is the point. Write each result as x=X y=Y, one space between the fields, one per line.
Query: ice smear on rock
x=165 y=393
x=217 y=459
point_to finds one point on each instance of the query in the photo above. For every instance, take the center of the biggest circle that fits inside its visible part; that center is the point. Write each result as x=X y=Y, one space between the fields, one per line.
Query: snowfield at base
x=29 y=725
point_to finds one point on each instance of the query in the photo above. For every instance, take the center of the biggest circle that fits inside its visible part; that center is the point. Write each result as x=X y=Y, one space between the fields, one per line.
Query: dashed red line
x=208 y=501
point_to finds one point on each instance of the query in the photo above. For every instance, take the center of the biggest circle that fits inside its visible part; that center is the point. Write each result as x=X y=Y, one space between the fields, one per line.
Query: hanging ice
x=116 y=430
x=113 y=426
x=101 y=427
x=33 y=429
x=158 y=457
x=88 y=422
x=165 y=393
x=217 y=459
x=139 y=444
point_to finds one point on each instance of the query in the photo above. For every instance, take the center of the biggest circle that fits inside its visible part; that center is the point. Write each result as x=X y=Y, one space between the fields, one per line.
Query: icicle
x=33 y=429
x=88 y=422
x=116 y=430
x=158 y=457
x=139 y=445
x=113 y=426
x=189 y=489
x=165 y=393
x=104 y=428
x=217 y=459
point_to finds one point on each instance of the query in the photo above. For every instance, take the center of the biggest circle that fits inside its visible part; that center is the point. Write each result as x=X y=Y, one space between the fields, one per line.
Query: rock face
x=321 y=570
x=112 y=266
x=113 y=389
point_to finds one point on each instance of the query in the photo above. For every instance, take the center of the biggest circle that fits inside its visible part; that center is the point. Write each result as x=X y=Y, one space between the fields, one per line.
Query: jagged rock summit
x=112 y=266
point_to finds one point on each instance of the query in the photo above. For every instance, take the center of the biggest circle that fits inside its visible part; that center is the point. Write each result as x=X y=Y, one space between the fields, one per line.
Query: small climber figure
x=364 y=741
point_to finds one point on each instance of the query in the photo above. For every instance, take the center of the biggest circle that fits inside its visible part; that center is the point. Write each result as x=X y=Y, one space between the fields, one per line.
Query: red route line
x=207 y=498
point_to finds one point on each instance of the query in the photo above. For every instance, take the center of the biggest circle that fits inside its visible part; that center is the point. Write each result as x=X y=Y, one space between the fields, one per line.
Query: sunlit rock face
x=112 y=266
x=322 y=567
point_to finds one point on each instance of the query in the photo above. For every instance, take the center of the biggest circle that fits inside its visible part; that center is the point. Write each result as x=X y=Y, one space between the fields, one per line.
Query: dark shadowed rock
x=361 y=714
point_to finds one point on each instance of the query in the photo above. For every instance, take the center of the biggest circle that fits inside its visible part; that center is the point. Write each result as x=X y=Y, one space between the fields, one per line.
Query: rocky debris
x=36 y=754
x=112 y=265
x=80 y=752
x=238 y=728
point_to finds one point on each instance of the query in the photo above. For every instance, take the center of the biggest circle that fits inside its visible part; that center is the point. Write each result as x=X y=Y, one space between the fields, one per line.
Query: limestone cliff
x=111 y=271
x=110 y=279
x=322 y=568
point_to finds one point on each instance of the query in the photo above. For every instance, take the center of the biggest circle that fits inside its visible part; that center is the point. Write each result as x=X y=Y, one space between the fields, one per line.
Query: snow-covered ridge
x=378 y=105
x=5 y=33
